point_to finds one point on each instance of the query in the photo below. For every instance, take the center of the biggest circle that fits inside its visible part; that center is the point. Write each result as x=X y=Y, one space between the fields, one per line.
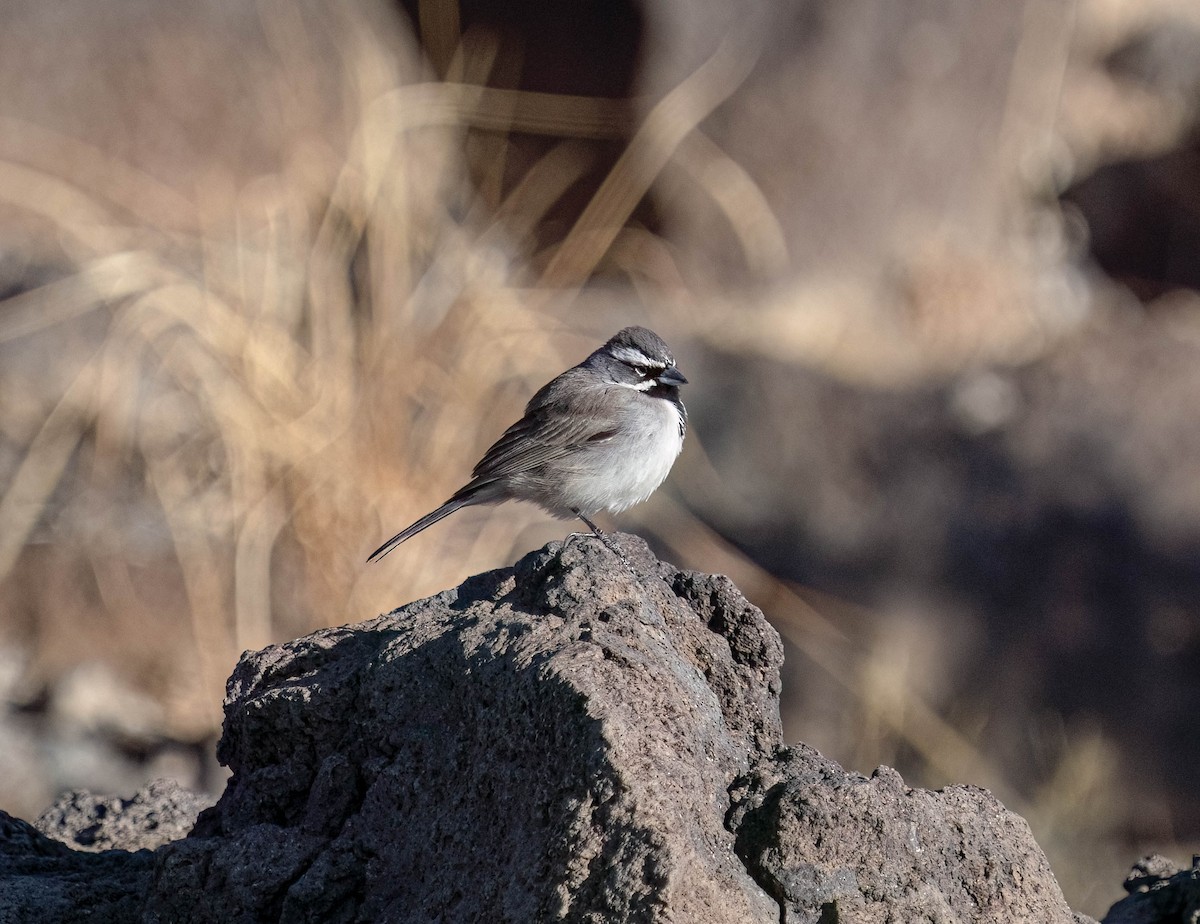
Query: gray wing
x=559 y=420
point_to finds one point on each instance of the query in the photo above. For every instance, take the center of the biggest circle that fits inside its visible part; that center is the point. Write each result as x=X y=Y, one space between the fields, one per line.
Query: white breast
x=628 y=468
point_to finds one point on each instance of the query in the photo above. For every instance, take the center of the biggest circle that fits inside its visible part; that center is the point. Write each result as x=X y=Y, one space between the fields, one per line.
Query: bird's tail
x=426 y=521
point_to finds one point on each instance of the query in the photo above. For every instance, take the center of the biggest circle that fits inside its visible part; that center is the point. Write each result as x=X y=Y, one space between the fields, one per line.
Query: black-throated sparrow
x=601 y=436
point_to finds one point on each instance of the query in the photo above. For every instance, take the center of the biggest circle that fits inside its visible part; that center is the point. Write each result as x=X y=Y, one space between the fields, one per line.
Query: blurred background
x=274 y=274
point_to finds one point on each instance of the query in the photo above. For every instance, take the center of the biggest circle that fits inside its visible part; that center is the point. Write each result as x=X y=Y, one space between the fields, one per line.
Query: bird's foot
x=598 y=533
x=603 y=538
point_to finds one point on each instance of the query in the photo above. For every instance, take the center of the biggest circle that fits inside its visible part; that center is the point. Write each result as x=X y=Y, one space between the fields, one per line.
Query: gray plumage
x=601 y=436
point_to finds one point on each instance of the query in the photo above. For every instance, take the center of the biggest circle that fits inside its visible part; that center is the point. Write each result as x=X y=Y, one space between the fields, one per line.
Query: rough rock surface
x=571 y=739
x=43 y=880
x=163 y=811
x=550 y=742
x=1159 y=893
x=837 y=846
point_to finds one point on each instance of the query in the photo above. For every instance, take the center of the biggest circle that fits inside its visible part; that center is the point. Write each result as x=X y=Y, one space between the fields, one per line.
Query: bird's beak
x=671 y=376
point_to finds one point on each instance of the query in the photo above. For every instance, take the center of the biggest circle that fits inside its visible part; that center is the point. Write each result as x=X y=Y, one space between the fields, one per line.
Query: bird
x=603 y=435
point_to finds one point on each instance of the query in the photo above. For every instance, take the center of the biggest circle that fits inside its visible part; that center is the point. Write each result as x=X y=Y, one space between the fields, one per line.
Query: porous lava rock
x=578 y=738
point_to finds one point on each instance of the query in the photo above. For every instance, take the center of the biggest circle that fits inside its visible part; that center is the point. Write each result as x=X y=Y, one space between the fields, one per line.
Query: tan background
x=274 y=274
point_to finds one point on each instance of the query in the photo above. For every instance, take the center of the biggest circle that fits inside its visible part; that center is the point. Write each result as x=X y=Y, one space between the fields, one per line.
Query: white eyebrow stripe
x=633 y=356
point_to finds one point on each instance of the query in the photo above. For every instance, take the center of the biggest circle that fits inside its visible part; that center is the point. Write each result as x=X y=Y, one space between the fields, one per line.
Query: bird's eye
x=641 y=371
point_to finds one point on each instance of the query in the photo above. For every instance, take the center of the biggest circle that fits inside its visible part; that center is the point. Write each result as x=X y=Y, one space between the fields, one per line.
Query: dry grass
x=270 y=376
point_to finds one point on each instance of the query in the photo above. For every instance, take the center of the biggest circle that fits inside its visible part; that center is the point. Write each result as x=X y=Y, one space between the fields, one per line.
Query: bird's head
x=637 y=358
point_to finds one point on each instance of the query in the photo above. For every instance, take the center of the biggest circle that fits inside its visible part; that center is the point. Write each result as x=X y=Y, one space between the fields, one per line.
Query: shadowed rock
x=568 y=740
x=1159 y=893
x=43 y=880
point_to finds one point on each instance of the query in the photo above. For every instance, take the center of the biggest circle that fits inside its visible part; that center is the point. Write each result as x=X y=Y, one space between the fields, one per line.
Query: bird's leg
x=602 y=536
